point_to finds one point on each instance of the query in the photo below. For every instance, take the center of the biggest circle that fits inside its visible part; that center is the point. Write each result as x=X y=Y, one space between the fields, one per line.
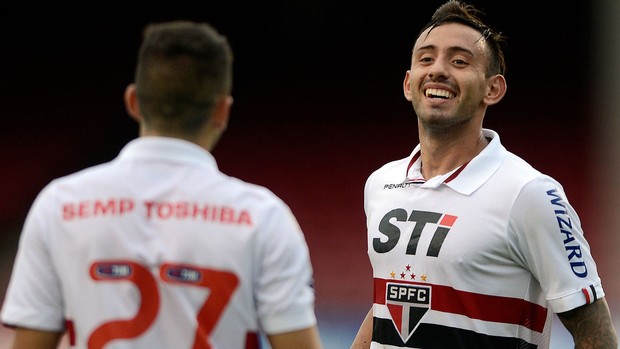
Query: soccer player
x=158 y=248
x=470 y=246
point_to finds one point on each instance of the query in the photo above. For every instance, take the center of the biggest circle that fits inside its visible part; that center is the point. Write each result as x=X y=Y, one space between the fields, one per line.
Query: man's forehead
x=450 y=34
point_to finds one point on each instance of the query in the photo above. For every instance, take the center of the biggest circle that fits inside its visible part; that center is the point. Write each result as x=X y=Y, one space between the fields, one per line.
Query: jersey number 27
x=220 y=283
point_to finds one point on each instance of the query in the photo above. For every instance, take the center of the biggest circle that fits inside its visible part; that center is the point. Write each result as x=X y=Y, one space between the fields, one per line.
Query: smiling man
x=470 y=246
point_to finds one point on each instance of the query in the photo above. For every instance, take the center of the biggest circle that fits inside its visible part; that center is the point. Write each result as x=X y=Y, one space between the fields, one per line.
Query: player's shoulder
x=76 y=182
x=396 y=169
x=526 y=177
x=248 y=187
x=90 y=173
x=516 y=168
x=253 y=194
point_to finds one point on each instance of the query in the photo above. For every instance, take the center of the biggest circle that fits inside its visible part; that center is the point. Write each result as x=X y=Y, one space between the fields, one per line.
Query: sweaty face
x=447 y=79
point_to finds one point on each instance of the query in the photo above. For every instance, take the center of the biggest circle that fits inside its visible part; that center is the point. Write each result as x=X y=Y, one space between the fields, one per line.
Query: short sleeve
x=33 y=298
x=285 y=296
x=547 y=237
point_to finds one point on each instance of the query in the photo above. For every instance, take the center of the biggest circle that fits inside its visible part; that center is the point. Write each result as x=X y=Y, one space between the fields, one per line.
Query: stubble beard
x=438 y=120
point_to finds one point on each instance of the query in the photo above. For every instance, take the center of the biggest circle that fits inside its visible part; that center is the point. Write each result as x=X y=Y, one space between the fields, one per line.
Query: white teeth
x=434 y=92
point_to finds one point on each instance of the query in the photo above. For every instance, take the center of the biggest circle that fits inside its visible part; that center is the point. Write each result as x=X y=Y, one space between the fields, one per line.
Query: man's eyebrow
x=451 y=49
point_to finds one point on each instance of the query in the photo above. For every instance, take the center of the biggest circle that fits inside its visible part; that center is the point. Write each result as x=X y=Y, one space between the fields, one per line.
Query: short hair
x=183 y=68
x=454 y=11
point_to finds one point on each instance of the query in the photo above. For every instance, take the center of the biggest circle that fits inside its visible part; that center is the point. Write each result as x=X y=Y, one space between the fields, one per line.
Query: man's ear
x=131 y=103
x=221 y=113
x=496 y=89
x=407 y=85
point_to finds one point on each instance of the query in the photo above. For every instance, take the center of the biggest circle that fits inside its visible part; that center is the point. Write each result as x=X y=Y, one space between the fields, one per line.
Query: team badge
x=407 y=304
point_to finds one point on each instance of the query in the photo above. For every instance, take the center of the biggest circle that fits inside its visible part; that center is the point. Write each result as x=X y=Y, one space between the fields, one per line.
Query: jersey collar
x=167 y=149
x=466 y=178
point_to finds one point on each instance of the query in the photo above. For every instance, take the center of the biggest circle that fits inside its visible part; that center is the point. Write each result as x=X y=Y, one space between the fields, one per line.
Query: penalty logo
x=407 y=305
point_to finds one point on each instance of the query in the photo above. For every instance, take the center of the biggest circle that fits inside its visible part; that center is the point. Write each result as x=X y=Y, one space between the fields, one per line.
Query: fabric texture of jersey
x=477 y=258
x=142 y=251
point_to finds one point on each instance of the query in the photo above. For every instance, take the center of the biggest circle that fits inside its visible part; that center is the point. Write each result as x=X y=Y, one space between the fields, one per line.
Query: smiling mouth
x=438 y=93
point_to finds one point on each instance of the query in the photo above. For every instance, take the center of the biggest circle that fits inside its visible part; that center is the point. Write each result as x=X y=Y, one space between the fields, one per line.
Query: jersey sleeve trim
x=586 y=295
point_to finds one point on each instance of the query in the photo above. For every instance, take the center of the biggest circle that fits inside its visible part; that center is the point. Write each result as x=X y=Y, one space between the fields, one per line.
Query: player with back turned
x=470 y=246
x=158 y=248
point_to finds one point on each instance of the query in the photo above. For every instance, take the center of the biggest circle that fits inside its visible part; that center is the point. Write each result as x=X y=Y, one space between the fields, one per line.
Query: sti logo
x=407 y=305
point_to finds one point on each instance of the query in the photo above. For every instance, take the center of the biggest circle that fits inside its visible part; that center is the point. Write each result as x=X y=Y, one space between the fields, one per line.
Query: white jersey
x=159 y=249
x=477 y=258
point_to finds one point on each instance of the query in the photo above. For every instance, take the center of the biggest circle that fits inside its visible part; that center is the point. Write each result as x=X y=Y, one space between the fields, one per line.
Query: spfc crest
x=407 y=304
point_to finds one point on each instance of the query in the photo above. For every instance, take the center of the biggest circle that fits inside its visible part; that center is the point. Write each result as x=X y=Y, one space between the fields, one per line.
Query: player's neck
x=441 y=155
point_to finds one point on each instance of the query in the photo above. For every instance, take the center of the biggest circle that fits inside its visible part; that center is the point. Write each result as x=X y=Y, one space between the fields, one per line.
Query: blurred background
x=318 y=106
